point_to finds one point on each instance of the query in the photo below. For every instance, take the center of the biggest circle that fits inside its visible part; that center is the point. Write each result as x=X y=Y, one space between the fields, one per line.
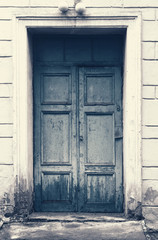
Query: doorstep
x=76 y=217
x=56 y=228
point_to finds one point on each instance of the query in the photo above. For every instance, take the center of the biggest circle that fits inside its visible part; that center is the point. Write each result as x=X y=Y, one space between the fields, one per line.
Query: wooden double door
x=78 y=139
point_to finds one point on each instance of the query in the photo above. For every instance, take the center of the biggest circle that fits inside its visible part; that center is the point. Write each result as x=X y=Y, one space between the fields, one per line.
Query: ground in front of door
x=75 y=227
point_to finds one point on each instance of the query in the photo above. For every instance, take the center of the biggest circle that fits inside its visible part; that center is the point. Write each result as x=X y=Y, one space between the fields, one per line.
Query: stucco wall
x=149 y=10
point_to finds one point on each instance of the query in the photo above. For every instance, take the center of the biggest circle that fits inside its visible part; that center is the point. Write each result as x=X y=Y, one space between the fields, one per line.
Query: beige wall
x=149 y=10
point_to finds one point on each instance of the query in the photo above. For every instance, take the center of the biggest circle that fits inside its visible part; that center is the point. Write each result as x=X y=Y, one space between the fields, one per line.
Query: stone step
x=76 y=217
x=129 y=230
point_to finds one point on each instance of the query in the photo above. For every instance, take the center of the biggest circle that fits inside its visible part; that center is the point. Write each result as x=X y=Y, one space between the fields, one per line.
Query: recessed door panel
x=56 y=187
x=56 y=88
x=97 y=193
x=100 y=138
x=75 y=50
x=49 y=49
x=55 y=137
x=99 y=89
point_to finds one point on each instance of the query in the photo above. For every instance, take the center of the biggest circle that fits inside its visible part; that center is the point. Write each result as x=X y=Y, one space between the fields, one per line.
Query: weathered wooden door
x=78 y=124
x=78 y=139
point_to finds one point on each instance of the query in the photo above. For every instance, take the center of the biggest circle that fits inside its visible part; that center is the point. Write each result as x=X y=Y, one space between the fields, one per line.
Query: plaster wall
x=149 y=11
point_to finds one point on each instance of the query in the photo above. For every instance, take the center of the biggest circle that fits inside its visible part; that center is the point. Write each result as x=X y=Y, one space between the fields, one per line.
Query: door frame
x=23 y=99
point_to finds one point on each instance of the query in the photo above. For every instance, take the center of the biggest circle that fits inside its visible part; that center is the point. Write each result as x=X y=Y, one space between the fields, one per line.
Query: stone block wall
x=6 y=115
x=149 y=10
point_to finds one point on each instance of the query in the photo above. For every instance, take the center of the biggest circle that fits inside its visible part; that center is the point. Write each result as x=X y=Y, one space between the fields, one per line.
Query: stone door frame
x=23 y=99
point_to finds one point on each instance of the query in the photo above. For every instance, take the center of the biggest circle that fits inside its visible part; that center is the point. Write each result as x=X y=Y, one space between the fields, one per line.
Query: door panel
x=100 y=188
x=99 y=89
x=100 y=119
x=56 y=88
x=56 y=137
x=99 y=138
x=75 y=50
x=56 y=186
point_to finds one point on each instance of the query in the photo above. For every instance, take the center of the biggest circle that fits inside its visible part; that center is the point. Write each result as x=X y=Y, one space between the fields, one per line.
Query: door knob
x=81 y=138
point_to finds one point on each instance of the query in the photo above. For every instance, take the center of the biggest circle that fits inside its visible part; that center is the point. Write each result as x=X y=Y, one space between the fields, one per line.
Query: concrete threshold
x=76 y=217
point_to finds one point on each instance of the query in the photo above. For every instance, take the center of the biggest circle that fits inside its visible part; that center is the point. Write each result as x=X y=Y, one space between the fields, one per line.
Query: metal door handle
x=81 y=138
x=118 y=108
